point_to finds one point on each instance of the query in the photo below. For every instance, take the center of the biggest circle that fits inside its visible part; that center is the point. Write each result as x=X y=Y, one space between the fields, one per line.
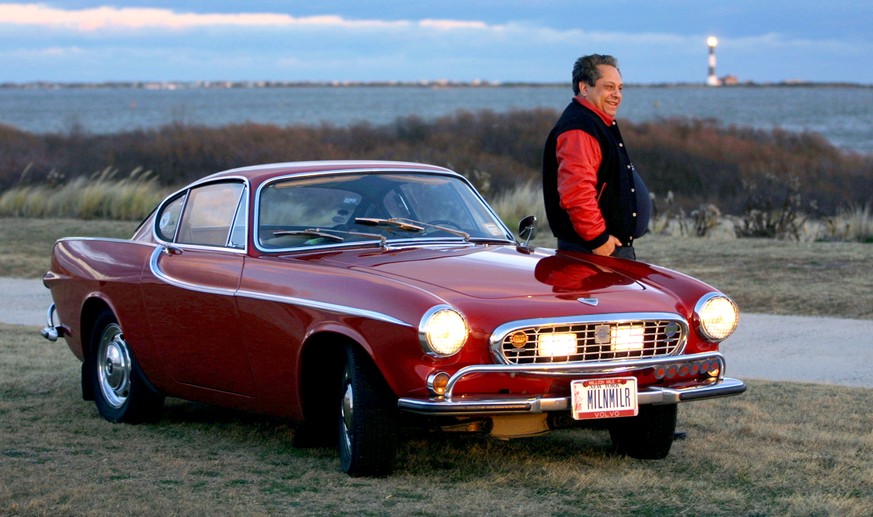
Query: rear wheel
x=368 y=420
x=647 y=436
x=120 y=391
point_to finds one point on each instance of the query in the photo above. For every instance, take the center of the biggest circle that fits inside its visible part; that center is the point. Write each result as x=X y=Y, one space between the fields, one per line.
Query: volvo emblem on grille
x=590 y=301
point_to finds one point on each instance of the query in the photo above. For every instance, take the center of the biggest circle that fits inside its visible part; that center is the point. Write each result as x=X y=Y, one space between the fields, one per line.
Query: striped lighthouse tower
x=712 y=79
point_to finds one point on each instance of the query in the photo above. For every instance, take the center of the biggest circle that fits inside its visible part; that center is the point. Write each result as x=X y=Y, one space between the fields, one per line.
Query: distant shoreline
x=223 y=85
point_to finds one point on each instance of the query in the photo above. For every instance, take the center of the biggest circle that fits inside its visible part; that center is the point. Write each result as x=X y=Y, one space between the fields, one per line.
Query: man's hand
x=608 y=247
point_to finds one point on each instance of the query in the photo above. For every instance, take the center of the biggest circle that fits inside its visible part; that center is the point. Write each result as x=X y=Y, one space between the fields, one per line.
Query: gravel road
x=789 y=348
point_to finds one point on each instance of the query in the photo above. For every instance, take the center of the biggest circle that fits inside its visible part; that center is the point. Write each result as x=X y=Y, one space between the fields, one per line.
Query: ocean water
x=843 y=115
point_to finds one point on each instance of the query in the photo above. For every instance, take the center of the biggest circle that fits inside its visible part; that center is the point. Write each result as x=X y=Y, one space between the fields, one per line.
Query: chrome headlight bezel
x=716 y=317
x=443 y=331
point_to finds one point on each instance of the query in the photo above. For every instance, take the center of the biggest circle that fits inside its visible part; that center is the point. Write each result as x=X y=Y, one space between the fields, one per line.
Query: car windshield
x=372 y=207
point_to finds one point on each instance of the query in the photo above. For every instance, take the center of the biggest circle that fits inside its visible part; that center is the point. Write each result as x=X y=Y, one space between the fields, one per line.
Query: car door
x=190 y=295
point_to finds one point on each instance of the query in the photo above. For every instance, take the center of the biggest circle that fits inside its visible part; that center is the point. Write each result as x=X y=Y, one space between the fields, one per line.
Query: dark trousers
x=625 y=252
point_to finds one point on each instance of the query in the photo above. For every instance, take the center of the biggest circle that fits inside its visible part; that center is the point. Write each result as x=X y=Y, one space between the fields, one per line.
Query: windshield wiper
x=313 y=232
x=394 y=223
x=323 y=233
x=490 y=240
x=410 y=225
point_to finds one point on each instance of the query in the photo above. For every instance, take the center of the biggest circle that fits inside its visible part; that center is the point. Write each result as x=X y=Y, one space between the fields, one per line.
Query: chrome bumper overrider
x=51 y=331
x=502 y=404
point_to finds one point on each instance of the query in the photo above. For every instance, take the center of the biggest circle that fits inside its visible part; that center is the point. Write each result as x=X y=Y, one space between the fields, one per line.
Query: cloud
x=111 y=18
x=47 y=52
x=115 y=19
x=452 y=24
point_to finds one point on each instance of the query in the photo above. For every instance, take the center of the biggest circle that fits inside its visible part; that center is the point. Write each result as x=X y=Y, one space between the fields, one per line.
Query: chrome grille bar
x=605 y=338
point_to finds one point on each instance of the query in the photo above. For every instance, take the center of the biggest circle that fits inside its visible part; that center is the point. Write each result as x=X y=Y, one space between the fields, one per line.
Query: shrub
x=773 y=209
x=700 y=161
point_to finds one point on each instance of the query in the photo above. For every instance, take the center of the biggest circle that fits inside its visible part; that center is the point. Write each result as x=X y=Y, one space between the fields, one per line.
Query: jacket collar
x=607 y=119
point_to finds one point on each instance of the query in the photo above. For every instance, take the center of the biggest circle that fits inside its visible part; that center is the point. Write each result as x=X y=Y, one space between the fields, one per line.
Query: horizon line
x=231 y=84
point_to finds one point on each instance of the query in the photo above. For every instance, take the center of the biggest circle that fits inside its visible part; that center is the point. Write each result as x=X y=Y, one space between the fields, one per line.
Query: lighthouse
x=712 y=80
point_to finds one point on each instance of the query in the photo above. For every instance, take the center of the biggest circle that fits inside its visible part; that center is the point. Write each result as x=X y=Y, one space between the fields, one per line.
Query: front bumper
x=469 y=405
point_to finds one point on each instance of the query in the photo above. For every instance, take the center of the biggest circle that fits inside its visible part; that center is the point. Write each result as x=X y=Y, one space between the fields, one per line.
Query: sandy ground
x=789 y=348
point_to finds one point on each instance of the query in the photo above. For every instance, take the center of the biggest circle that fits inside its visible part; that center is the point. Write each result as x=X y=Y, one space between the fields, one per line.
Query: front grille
x=594 y=341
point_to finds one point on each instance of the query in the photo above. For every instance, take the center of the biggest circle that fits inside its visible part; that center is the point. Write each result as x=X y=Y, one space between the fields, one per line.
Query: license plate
x=604 y=398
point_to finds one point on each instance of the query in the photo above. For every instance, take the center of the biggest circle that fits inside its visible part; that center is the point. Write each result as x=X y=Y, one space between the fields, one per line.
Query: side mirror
x=527 y=230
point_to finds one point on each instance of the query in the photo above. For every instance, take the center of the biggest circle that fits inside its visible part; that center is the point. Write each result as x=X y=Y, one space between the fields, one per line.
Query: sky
x=655 y=41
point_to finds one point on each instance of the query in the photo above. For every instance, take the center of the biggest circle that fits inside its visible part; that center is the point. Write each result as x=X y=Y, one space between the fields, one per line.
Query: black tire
x=322 y=367
x=647 y=436
x=368 y=418
x=120 y=390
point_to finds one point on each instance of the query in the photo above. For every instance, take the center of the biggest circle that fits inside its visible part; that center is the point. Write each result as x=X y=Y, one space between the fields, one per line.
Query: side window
x=238 y=233
x=209 y=214
x=168 y=219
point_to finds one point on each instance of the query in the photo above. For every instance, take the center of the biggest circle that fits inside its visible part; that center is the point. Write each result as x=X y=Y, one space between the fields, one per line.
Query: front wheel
x=120 y=391
x=647 y=436
x=368 y=421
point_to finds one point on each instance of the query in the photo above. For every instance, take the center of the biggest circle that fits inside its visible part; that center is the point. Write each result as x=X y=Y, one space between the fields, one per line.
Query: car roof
x=257 y=174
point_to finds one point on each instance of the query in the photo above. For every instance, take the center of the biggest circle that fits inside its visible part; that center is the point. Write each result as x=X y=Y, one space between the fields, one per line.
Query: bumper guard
x=448 y=405
x=51 y=331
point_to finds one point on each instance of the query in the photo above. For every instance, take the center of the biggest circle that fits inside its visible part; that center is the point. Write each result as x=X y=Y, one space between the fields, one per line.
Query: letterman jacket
x=615 y=190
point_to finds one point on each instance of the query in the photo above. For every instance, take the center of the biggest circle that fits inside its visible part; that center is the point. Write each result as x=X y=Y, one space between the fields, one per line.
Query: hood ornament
x=589 y=301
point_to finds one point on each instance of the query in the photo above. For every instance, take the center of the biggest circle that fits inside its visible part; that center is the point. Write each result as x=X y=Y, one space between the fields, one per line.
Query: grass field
x=779 y=449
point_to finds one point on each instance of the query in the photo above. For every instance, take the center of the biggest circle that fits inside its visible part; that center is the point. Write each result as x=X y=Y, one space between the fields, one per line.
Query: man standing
x=595 y=202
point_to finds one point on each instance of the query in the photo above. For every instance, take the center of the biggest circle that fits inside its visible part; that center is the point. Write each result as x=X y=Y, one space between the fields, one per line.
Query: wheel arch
x=319 y=372
x=91 y=310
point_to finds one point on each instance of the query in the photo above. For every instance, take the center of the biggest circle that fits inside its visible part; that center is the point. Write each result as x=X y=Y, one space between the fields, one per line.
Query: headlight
x=442 y=331
x=717 y=316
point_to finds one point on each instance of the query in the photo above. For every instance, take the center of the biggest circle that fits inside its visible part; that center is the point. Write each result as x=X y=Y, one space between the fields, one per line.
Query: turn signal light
x=437 y=383
x=710 y=368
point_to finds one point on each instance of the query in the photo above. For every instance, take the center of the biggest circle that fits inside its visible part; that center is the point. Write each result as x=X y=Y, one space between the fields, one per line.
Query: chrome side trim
x=156 y=270
x=101 y=239
x=469 y=405
x=290 y=300
x=324 y=306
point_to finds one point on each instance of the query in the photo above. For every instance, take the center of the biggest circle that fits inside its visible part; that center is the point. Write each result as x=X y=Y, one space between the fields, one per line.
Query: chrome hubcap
x=347 y=409
x=113 y=366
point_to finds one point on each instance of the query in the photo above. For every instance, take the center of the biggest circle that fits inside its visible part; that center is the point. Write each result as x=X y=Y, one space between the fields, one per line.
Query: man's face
x=605 y=95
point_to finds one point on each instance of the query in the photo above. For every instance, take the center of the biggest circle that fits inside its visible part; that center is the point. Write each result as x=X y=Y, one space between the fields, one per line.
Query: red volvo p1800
x=353 y=296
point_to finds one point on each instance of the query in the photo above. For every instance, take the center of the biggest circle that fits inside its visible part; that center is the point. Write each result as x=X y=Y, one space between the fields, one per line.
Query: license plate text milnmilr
x=604 y=398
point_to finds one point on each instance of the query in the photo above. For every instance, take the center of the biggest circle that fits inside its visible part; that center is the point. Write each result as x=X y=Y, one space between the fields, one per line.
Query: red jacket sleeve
x=579 y=159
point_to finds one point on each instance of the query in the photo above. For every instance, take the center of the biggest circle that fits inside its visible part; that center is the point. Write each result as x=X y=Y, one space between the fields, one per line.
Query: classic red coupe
x=352 y=297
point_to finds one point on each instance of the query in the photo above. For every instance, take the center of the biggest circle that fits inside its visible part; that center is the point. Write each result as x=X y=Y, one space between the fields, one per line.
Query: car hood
x=494 y=272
